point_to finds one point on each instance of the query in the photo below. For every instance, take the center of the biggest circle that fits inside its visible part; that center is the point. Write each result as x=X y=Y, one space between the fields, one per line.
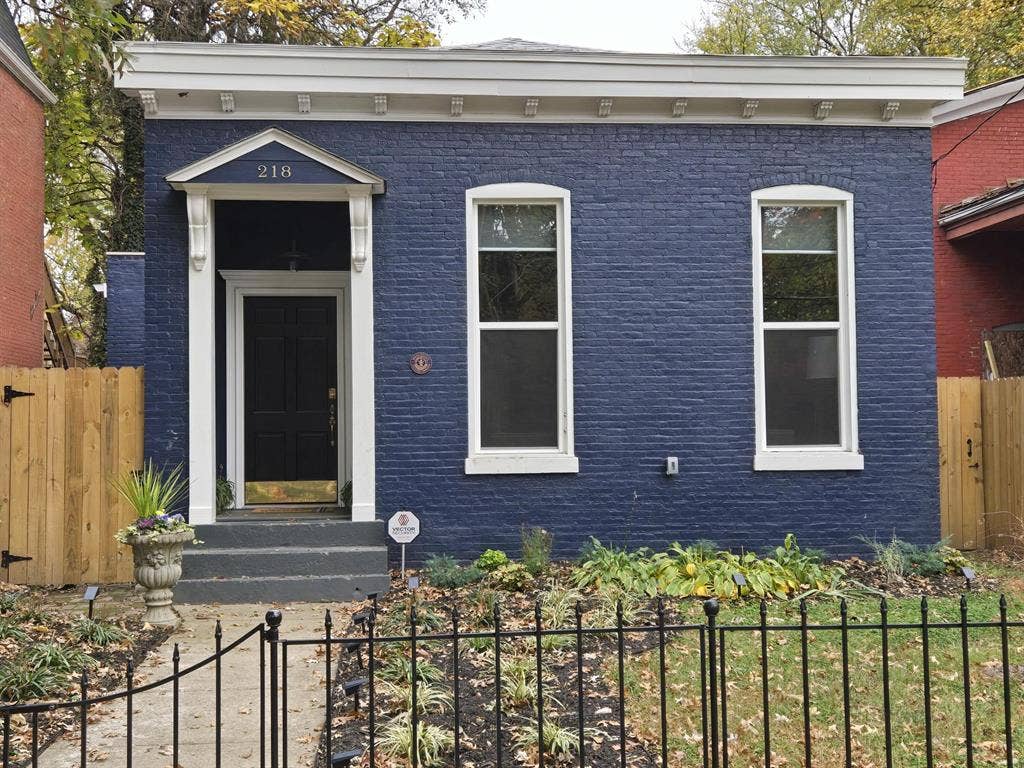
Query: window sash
x=563 y=341
x=844 y=327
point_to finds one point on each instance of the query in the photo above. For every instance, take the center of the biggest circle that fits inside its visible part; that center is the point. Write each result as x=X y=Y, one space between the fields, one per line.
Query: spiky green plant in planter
x=157 y=535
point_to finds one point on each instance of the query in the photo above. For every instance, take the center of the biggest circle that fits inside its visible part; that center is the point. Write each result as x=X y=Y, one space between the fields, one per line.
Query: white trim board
x=25 y=75
x=241 y=283
x=189 y=80
x=979 y=100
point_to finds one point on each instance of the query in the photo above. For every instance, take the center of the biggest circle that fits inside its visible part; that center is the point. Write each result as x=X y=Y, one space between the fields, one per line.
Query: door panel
x=291 y=450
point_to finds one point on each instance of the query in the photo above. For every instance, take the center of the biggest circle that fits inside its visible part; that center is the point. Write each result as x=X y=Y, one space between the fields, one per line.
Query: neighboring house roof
x=15 y=59
x=512 y=79
x=982 y=99
x=999 y=209
x=518 y=44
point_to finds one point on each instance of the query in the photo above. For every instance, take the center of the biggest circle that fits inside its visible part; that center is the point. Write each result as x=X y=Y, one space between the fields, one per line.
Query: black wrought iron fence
x=715 y=645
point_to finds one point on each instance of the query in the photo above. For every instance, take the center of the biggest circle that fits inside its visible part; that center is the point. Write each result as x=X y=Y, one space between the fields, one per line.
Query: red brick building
x=978 y=154
x=23 y=279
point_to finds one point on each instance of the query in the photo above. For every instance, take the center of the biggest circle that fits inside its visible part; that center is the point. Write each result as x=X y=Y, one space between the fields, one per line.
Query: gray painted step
x=270 y=589
x=293 y=533
x=203 y=562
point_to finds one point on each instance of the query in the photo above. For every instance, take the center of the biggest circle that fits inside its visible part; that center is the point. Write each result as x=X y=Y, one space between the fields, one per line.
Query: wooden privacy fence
x=59 y=448
x=981 y=461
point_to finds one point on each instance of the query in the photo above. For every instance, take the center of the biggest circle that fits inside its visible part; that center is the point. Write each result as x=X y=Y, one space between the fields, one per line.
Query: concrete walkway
x=240 y=740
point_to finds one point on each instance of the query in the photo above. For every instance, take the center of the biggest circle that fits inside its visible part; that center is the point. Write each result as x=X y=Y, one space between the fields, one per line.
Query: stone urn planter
x=157 y=569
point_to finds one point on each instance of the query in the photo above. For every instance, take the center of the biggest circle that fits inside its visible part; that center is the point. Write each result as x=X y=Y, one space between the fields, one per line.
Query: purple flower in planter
x=176 y=518
x=146 y=523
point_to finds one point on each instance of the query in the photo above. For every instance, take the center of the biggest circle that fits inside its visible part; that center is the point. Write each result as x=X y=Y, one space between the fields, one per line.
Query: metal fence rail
x=710 y=638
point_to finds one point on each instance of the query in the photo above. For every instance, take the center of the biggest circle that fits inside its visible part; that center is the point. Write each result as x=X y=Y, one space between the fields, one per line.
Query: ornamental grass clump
x=153 y=495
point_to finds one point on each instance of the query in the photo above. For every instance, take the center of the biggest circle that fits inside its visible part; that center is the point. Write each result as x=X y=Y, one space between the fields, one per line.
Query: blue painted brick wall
x=126 y=310
x=661 y=321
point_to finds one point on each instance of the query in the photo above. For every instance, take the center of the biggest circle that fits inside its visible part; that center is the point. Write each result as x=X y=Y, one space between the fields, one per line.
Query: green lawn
x=743 y=656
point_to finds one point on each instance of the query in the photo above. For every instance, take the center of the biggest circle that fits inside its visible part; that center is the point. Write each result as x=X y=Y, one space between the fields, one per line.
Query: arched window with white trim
x=520 y=330
x=804 y=329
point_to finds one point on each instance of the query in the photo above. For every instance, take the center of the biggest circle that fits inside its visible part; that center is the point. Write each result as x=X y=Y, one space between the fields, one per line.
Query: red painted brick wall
x=979 y=281
x=22 y=275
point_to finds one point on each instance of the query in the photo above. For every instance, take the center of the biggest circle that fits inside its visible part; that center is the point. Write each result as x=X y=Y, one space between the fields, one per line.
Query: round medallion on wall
x=420 y=363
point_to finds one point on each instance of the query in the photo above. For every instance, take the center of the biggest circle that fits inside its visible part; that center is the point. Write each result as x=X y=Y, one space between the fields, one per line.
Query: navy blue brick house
x=610 y=261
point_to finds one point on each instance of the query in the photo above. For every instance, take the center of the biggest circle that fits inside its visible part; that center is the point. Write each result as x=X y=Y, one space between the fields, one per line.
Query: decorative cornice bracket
x=679 y=108
x=750 y=108
x=198 y=229
x=604 y=108
x=530 y=106
x=150 y=105
x=359 y=223
x=889 y=110
x=303 y=102
x=458 y=102
x=822 y=110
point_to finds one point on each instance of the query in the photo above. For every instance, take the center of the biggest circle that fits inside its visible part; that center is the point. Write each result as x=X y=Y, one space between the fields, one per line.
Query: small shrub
x=58 y=658
x=20 y=681
x=604 y=613
x=399 y=670
x=444 y=572
x=560 y=742
x=558 y=607
x=10 y=629
x=33 y=615
x=433 y=742
x=429 y=698
x=511 y=577
x=491 y=559
x=899 y=559
x=537 y=545
x=9 y=602
x=225 y=494
x=95 y=632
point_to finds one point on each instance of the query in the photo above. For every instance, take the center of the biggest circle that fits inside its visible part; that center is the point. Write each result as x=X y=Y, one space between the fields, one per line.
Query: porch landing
x=261 y=557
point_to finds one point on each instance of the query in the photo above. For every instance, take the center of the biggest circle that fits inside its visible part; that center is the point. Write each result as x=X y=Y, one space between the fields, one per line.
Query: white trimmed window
x=520 y=330
x=804 y=329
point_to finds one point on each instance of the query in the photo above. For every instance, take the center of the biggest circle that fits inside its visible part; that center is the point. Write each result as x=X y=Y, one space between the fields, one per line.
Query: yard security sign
x=403 y=527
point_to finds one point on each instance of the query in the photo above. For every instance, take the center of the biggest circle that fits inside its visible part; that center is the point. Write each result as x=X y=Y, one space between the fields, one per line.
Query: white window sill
x=807 y=461
x=521 y=464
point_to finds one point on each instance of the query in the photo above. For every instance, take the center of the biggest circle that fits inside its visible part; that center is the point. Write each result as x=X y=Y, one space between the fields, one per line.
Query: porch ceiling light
x=293 y=256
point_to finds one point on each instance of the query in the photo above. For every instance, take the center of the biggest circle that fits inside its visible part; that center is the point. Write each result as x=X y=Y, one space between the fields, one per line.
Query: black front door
x=291 y=401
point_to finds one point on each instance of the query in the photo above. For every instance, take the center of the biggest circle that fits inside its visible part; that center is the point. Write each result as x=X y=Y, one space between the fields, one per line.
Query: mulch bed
x=946 y=585
x=601 y=709
x=476 y=694
x=44 y=616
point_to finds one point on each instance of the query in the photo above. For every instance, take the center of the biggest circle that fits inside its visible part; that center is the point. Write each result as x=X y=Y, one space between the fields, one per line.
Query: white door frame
x=202 y=393
x=240 y=283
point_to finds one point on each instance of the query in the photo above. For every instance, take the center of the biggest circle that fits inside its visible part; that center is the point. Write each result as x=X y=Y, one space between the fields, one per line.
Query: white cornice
x=418 y=84
x=24 y=74
x=980 y=100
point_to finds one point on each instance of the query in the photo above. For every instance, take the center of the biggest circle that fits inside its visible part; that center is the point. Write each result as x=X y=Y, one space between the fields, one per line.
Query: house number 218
x=273 y=171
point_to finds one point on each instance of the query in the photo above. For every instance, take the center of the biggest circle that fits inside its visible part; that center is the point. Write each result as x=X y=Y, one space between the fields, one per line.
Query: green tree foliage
x=989 y=33
x=94 y=141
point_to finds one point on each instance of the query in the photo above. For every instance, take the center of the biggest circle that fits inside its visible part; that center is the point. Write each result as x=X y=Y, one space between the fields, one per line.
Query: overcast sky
x=639 y=25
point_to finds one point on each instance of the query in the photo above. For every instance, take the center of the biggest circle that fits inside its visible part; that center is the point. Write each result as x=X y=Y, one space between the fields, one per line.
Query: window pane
x=517 y=226
x=800 y=287
x=801 y=387
x=518 y=286
x=519 y=389
x=798 y=227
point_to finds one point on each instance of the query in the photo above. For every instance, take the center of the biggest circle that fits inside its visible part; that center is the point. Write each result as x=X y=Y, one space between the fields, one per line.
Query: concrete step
x=292 y=532
x=271 y=590
x=203 y=562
